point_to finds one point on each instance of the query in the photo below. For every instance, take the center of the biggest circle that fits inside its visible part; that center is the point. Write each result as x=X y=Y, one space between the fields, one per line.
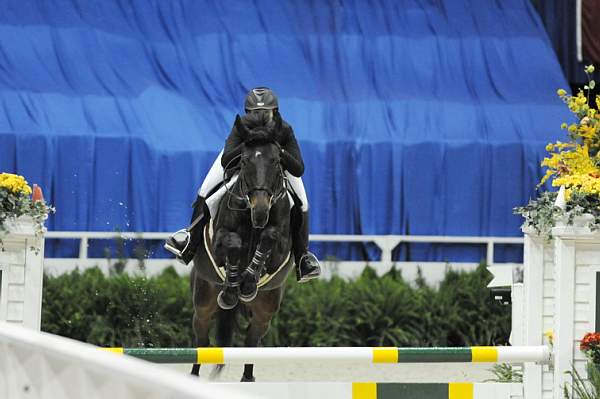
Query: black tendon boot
x=183 y=243
x=307 y=265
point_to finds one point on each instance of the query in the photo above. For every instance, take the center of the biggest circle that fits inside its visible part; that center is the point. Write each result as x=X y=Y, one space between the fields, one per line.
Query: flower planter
x=21 y=273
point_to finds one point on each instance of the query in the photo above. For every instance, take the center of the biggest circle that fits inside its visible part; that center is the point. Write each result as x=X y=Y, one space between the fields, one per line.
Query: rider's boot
x=183 y=243
x=307 y=265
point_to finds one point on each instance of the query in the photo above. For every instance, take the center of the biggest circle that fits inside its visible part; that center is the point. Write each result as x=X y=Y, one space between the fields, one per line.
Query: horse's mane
x=259 y=119
x=259 y=122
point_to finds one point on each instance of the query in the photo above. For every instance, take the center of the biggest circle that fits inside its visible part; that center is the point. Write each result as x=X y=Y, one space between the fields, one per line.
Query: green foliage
x=122 y=310
x=581 y=388
x=541 y=214
x=119 y=310
x=581 y=203
x=505 y=372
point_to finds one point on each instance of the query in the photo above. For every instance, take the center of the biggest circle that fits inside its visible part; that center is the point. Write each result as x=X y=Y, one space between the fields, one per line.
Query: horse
x=251 y=242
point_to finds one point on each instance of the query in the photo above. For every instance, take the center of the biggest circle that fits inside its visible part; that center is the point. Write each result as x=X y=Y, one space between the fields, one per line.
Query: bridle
x=245 y=191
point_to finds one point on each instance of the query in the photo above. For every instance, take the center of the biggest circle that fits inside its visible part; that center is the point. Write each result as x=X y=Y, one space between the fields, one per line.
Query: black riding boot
x=183 y=243
x=307 y=265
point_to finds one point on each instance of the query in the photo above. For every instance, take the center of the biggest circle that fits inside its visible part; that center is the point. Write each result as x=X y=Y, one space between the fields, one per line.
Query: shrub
x=123 y=310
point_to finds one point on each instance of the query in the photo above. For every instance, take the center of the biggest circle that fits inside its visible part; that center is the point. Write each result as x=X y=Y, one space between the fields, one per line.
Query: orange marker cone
x=37 y=193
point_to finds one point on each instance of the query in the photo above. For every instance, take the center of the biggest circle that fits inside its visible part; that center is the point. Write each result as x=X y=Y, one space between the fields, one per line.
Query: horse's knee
x=270 y=235
x=228 y=244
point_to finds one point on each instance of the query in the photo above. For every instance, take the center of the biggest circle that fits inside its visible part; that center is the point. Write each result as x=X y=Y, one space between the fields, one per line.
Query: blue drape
x=414 y=117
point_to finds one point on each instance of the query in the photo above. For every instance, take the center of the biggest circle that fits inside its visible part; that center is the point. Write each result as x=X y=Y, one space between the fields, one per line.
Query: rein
x=244 y=191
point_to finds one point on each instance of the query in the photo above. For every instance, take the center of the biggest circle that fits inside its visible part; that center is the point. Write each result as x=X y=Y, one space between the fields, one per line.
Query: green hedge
x=121 y=310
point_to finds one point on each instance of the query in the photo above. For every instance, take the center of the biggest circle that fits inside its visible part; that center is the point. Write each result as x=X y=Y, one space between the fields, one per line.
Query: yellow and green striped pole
x=373 y=390
x=485 y=354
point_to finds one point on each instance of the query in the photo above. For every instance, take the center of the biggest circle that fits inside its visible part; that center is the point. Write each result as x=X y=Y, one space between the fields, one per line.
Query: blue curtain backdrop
x=414 y=117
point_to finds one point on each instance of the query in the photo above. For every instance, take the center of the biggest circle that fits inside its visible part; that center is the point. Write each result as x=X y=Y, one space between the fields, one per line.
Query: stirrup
x=315 y=272
x=183 y=234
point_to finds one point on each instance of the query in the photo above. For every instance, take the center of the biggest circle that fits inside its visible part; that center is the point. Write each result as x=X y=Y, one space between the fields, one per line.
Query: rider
x=260 y=103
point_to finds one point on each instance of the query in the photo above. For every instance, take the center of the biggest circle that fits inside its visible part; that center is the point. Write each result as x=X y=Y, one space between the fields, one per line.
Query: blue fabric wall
x=414 y=117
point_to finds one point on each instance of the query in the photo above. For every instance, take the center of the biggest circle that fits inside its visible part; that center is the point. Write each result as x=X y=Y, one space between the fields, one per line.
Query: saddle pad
x=220 y=270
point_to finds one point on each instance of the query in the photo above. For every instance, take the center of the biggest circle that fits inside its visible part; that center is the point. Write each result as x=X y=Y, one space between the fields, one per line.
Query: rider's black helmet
x=261 y=98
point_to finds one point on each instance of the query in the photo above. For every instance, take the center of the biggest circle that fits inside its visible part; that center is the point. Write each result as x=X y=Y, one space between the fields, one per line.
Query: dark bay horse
x=251 y=240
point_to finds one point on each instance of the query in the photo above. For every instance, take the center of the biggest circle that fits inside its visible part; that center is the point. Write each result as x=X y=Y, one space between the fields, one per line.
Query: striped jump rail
x=383 y=390
x=474 y=354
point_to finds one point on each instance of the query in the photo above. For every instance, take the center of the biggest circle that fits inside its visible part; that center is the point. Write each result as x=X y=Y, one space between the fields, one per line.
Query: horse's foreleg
x=205 y=305
x=263 y=309
x=250 y=277
x=229 y=246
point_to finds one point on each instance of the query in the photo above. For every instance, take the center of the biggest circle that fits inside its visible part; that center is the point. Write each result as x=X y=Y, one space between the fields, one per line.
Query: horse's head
x=261 y=175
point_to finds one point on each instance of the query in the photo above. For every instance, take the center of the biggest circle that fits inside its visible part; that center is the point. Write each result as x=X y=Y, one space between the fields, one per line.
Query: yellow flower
x=563 y=125
x=561 y=92
x=568 y=192
x=587 y=132
x=15 y=183
x=573 y=128
x=549 y=334
x=590 y=69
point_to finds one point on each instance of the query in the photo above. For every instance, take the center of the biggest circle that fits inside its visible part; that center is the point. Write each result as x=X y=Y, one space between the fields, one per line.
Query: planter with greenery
x=18 y=206
x=573 y=165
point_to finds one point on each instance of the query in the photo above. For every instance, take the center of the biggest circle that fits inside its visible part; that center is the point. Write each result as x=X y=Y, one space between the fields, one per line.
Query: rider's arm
x=291 y=158
x=233 y=147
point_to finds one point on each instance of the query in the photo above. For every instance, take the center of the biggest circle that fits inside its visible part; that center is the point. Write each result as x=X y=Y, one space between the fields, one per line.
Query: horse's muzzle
x=260 y=207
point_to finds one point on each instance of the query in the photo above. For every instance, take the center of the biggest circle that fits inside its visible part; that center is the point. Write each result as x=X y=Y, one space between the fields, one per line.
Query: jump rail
x=387 y=243
x=475 y=354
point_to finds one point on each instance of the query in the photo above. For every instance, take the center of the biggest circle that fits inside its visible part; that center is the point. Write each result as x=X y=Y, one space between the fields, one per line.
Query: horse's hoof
x=250 y=297
x=246 y=379
x=225 y=301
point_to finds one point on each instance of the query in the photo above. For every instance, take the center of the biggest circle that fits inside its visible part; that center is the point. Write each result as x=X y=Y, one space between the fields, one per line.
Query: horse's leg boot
x=250 y=277
x=228 y=297
x=307 y=264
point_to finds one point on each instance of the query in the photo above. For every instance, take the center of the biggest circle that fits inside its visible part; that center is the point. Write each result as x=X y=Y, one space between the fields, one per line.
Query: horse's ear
x=239 y=125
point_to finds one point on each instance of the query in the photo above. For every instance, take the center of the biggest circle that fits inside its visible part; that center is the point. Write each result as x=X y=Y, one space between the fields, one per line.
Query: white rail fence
x=432 y=272
x=386 y=243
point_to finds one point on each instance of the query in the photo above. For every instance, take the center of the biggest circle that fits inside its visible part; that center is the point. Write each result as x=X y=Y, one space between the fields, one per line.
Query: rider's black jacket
x=291 y=158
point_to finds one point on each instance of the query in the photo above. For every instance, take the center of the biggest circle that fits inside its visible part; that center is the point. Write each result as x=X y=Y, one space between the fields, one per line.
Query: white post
x=517 y=335
x=577 y=257
x=533 y=281
x=387 y=245
x=22 y=269
x=563 y=318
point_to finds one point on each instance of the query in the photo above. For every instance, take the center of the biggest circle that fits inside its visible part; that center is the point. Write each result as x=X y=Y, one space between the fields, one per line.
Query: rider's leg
x=183 y=243
x=307 y=264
